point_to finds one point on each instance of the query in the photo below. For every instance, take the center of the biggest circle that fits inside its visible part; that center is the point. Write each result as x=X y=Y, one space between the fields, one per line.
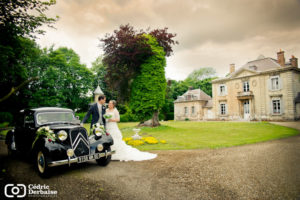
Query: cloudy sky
x=211 y=33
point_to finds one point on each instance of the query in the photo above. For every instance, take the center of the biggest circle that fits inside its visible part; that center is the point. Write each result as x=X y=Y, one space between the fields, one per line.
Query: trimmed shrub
x=6 y=117
x=81 y=116
x=128 y=117
x=122 y=108
x=170 y=116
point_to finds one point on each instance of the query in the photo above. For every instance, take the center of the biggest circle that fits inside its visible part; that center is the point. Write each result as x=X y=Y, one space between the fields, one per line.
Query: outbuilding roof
x=98 y=90
x=192 y=95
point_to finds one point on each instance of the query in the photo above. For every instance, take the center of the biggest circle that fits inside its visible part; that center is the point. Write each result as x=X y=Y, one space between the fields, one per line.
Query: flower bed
x=143 y=140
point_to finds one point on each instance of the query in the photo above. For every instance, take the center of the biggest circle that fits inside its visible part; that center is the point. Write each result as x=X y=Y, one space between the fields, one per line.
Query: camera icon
x=12 y=191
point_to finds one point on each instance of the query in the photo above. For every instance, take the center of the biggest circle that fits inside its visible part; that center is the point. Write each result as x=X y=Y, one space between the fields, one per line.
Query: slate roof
x=98 y=90
x=196 y=94
x=261 y=65
x=209 y=104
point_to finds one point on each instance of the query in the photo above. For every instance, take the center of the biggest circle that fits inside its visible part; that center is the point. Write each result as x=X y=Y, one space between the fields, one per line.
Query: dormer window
x=188 y=97
x=253 y=67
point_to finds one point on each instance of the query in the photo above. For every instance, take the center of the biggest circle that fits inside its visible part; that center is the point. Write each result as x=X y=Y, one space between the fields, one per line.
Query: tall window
x=276 y=106
x=185 y=110
x=222 y=90
x=246 y=86
x=275 y=83
x=223 y=108
x=193 y=109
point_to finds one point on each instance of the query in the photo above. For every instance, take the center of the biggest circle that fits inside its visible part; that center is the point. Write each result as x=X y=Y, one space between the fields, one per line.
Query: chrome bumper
x=75 y=160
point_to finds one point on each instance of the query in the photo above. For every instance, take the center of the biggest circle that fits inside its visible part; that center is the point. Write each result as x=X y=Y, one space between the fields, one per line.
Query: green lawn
x=198 y=135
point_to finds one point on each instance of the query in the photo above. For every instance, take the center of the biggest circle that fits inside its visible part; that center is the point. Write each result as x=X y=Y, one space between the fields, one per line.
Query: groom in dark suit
x=97 y=110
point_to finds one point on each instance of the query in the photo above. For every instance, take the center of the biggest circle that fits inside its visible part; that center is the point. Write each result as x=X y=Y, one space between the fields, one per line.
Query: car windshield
x=52 y=117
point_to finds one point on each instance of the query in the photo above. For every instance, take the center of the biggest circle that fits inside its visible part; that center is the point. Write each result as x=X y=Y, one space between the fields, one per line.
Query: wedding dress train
x=124 y=152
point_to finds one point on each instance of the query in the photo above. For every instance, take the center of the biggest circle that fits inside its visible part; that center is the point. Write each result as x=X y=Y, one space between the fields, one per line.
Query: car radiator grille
x=80 y=142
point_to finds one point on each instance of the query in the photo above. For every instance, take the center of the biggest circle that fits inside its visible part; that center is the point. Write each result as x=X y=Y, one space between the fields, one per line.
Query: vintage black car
x=64 y=143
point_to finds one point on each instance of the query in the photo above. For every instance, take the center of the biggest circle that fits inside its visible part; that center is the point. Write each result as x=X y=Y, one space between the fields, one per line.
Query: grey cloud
x=210 y=32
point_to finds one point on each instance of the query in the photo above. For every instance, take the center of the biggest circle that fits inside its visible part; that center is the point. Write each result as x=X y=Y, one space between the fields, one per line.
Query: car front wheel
x=41 y=164
x=104 y=160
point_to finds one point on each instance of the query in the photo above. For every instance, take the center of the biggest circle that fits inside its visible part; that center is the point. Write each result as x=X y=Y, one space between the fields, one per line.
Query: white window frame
x=222 y=93
x=278 y=108
x=186 y=110
x=193 y=109
x=223 y=109
x=246 y=86
x=274 y=87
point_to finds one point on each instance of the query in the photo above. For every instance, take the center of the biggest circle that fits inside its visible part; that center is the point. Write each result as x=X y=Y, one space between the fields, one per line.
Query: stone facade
x=263 y=89
x=193 y=105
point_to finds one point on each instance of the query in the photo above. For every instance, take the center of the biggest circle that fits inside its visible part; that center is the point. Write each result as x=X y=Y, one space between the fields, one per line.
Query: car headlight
x=99 y=147
x=98 y=132
x=62 y=135
x=70 y=152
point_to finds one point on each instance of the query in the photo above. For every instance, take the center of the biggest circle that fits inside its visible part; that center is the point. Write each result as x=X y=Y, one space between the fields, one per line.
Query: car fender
x=105 y=140
x=53 y=150
x=10 y=139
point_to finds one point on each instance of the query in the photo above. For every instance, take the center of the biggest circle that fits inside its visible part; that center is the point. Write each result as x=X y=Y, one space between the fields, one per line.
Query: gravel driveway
x=268 y=170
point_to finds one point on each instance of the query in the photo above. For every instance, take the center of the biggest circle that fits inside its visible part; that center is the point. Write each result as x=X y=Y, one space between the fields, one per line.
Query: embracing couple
x=124 y=152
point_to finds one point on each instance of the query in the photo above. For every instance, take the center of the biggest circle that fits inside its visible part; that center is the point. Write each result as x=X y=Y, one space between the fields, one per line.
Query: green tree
x=202 y=73
x=16 y=79
x=149 y=87
x=63 y=80
x=100 y=71
x=125 y=51
x=19 y=19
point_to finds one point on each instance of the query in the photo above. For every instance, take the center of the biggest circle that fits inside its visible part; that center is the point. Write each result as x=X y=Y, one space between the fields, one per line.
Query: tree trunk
x=153 y=122
x=155 y=119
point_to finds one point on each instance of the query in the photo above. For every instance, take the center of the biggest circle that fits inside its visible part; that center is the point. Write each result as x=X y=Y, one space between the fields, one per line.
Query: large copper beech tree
x=125 y=53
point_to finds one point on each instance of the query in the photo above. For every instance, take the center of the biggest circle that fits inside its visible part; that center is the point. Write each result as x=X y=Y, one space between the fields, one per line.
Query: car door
x=24 y=133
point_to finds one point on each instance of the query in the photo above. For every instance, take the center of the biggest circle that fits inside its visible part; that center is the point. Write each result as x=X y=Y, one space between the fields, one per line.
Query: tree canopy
x=202 y=73
x=125 y=51
x=23 y=18
x=64 y=81
x=20 y=19
x=149 y=87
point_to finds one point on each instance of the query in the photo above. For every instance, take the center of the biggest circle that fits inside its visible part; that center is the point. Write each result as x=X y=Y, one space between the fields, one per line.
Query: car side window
x=20 y=119
x=29 y=120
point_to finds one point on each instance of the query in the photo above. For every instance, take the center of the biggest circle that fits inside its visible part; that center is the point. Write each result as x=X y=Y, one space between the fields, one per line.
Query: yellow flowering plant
x=163 y=141
x=151 y=140
x=127 y=139
x=143 y=140
x=135 y=142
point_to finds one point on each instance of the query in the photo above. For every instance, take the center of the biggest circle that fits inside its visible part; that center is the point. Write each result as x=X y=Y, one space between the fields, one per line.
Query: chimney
x=191 y=87
x=280 y=58
x=232 y=68
x=294 y=61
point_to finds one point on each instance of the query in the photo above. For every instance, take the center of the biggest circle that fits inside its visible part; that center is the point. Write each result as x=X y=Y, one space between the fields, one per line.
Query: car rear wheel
x=104 y=160
x=41 y=164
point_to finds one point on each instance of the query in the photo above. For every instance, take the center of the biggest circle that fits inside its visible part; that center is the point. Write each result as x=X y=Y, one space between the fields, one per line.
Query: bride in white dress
x=124 y=152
